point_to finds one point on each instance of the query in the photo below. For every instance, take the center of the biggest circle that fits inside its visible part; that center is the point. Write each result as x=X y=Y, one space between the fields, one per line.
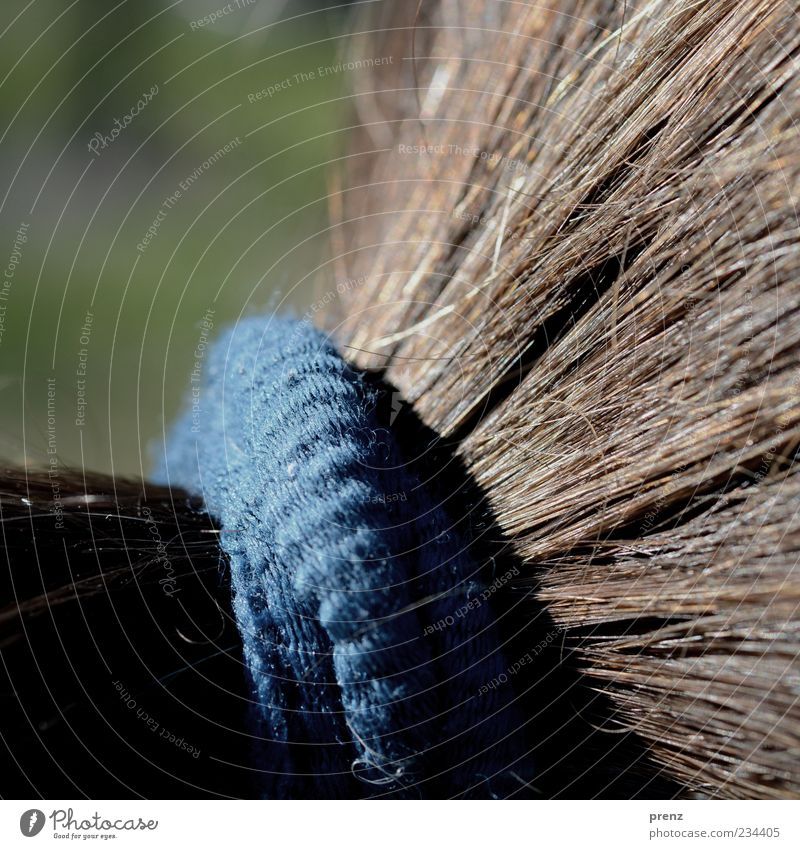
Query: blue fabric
x=367 y=632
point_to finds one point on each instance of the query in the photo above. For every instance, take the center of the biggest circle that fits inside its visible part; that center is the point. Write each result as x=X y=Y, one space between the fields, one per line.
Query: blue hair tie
x=365 y=616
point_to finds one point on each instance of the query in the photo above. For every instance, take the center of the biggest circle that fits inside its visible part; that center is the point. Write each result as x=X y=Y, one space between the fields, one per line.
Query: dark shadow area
x=577 y=749
x=121 y=672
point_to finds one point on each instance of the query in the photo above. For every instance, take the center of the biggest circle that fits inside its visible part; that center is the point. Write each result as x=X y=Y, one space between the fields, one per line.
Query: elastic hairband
x=368 y=631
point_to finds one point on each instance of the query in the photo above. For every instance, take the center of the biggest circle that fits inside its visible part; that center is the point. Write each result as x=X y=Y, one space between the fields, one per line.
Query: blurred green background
x=243 y=236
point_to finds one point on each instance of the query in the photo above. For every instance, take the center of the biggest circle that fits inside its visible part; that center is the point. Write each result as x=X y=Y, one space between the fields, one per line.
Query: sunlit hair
x=577 y=225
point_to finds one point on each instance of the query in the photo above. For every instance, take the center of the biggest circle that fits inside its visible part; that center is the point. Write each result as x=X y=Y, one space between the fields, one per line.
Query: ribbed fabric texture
x=367 y=632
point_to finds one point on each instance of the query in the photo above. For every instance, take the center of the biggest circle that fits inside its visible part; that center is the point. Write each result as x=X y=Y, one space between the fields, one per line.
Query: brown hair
x=568 y=235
